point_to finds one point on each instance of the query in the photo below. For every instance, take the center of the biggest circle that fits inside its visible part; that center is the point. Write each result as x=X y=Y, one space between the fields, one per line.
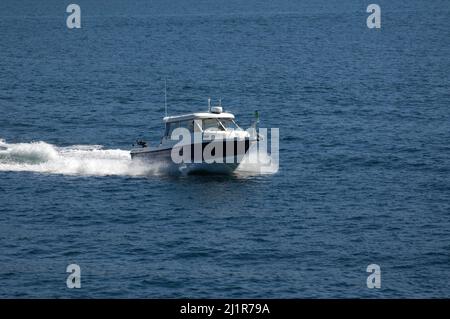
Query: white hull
x=162 y=157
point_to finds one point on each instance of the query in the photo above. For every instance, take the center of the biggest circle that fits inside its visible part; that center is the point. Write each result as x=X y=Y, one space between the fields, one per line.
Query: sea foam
x=90 y=160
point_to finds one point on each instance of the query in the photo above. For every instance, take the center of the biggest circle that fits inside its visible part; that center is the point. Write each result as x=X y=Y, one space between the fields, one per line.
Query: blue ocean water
x=364 y=149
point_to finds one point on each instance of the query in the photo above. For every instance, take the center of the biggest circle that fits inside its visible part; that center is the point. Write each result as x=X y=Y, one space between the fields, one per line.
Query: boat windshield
x=219 y=124
x=229 y=124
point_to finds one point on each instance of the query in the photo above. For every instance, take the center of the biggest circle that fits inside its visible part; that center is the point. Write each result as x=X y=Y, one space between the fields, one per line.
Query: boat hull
x=225 y=164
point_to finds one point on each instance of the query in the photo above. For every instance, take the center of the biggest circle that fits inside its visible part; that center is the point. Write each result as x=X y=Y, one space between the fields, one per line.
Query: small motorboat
x=212 y=143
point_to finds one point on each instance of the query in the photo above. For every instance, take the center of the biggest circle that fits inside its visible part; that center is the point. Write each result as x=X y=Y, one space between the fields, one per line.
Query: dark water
x=364 y=149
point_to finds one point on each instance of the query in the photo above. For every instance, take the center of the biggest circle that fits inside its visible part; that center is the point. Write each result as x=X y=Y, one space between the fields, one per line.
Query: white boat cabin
x=215 y=122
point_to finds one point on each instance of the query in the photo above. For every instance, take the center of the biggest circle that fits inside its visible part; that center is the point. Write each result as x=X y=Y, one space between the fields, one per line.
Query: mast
x=165 y=95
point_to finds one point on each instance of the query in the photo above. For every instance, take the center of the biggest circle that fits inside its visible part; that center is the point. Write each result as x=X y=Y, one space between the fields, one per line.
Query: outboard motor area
x=141 y=143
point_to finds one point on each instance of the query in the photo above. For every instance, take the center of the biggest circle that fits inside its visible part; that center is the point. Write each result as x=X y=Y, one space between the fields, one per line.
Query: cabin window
x=219 y=124
x=170 y=127
x=188 y=125
x=229 y=124
x=211 y=124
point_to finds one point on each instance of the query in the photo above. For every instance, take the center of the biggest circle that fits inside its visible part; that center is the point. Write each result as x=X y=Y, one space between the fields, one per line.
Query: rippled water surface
x=364 y=149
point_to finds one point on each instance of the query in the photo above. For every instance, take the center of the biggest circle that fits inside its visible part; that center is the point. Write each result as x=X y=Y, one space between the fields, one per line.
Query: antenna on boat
x=165 y=95
x=209 y=104
x=220 y=102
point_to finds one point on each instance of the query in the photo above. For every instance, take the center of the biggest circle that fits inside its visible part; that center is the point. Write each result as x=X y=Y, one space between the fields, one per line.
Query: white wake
x=258 y=162
x=89 y=160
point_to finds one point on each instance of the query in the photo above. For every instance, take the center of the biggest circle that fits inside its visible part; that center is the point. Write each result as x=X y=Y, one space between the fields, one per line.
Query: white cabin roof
x=200 y=115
